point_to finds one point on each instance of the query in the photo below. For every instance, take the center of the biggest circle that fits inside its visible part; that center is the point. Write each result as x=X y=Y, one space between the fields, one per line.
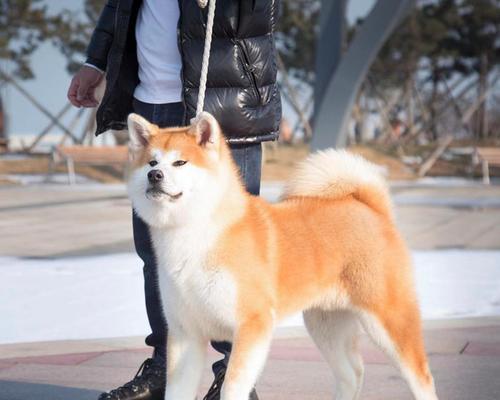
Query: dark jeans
x=248 y=158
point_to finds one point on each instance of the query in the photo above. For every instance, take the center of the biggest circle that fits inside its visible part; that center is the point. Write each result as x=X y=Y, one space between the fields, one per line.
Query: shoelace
x=214 y=391
x=142 y=377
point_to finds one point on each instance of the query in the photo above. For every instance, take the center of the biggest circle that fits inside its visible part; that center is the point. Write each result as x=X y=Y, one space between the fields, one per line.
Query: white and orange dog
x=231 y=265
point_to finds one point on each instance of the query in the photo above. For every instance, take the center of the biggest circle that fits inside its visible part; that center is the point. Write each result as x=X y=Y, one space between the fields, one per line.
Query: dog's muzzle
x=155 y=190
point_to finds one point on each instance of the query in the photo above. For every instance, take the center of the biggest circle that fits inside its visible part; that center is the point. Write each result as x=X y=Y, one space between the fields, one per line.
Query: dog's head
x=175 y=173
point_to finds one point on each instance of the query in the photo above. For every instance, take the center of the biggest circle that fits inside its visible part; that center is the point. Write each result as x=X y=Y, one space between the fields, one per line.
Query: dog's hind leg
x=398 y=334
x=336 y=335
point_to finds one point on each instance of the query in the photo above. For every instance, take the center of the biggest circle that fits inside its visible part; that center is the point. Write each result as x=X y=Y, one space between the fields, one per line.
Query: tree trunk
x=294 y=102
x=433 y=112
x=357 y=116
x=4 y=145
x=410 y=111
x=411 y=67
x=482 y=115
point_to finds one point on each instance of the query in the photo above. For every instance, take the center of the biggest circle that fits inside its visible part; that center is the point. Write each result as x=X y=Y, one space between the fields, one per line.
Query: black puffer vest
x=241 y=93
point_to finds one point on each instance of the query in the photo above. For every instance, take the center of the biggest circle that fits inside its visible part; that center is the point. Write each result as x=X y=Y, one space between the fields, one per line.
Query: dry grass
x=280 y=159
x=39 y=164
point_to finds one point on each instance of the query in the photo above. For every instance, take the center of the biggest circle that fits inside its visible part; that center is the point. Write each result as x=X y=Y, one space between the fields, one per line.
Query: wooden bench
x=4 y=145
x=487 y=156
x=87 y=155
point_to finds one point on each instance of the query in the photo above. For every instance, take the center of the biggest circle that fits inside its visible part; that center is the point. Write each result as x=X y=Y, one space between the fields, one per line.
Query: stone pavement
x=464 y=357
x=58 y=220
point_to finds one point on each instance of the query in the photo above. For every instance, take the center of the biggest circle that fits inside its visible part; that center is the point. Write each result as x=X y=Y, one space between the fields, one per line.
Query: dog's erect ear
x=207 y=130
x=139 y=131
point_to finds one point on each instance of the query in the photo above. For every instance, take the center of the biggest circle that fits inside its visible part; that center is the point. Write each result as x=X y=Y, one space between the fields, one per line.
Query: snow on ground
x=102 y=296
x=37 y=179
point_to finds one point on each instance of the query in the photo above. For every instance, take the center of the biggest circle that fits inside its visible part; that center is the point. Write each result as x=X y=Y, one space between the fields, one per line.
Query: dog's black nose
x=155 y=176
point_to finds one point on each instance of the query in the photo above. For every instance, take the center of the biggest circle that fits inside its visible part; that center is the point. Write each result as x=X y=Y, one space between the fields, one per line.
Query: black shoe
x=148 y=384
x=214 y=391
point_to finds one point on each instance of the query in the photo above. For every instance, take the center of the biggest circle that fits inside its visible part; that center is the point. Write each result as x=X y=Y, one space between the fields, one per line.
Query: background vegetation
x=435 y=76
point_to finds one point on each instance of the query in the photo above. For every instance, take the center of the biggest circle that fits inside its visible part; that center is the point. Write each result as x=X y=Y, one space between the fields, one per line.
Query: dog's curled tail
x=336 y=174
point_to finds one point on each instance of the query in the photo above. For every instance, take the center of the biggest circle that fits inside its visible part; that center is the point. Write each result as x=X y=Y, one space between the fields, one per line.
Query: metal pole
x=329 y=46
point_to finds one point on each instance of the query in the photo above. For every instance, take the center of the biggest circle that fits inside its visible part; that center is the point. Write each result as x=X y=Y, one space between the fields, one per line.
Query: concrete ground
x=464 y=357
x=56 y=221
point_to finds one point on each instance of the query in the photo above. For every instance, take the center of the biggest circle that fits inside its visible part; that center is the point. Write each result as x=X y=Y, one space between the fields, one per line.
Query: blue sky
x=52 y=80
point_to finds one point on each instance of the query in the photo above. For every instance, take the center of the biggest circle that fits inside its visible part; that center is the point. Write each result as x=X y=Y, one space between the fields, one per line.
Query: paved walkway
x=57 y=220
x=464 y=357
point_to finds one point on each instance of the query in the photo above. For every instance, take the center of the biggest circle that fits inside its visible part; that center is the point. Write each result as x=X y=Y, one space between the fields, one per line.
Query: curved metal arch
x=342 y=83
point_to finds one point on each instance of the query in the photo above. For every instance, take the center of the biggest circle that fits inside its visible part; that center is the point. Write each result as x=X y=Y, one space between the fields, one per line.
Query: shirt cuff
x=93 y=66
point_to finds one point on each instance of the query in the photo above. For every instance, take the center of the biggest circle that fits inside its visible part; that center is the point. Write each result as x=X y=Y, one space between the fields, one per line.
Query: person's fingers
x=82 y=89
x=72 y=92
x=89 y=96
x=92 y=95
x=89 y=102
x=93 y=88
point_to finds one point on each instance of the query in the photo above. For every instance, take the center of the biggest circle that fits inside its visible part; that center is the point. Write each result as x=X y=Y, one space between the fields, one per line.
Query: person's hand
x=81 y=92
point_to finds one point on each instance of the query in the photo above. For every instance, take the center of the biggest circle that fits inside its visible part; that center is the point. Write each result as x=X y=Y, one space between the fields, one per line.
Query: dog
x=231 y=265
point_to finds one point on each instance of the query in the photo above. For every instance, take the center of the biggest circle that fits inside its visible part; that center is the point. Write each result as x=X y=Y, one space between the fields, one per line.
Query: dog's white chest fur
x=195 y=295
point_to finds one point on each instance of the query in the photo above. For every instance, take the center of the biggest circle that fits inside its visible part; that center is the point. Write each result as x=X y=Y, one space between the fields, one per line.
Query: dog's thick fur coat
x=231 y=265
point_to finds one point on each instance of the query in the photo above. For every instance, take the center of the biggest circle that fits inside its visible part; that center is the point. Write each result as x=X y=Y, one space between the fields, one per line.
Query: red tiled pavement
x=467 y=369
x=57 y=359
x=6 y=363
x=483 y=349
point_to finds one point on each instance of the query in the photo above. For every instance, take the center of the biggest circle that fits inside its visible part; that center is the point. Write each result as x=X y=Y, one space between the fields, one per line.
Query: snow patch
x=102 y=296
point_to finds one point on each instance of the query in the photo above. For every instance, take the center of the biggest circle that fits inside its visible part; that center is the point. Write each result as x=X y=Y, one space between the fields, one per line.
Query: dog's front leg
x=185 y=360
x=250 y=347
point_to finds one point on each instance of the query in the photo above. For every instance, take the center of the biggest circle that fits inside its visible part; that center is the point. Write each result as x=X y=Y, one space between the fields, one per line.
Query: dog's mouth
x=155 y=193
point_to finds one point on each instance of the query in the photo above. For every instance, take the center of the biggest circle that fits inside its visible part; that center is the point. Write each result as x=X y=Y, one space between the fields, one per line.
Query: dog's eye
x=152 y=163
x=179 y=163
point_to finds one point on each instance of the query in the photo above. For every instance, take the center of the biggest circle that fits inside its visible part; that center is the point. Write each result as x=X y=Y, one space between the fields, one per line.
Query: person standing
x=150 y=54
